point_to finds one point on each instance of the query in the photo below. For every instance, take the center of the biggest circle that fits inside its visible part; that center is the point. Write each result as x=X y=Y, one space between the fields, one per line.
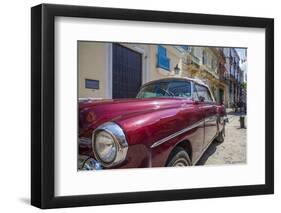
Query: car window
x=202 y=91
x=166 y=89
x=147 y=92
x=180 y=89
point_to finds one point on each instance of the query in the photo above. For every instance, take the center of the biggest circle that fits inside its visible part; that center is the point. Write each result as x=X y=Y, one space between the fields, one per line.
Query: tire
x=179 y=158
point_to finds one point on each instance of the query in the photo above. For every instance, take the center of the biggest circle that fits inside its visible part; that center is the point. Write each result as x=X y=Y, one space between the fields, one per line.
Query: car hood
x=92 y=113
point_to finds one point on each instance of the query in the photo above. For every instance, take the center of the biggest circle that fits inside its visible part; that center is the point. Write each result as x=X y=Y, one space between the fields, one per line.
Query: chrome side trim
x=157 y=143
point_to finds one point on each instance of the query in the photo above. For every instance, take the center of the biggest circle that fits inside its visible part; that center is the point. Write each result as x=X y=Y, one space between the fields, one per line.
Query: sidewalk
x=231 y=114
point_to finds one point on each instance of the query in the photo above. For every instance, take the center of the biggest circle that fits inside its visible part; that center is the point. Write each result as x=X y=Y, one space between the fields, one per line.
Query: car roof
x=198 y=81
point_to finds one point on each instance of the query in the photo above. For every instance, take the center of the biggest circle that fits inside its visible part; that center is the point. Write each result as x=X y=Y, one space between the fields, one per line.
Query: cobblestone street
x=233 y=150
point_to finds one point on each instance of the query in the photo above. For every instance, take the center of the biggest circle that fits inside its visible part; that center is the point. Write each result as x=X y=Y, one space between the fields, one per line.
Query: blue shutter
x=162 y=60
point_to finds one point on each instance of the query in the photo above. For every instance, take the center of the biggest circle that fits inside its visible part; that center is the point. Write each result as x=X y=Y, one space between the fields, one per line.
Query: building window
x=213 y=64
x=204 y=58
x=230 y=87
x=162 y=60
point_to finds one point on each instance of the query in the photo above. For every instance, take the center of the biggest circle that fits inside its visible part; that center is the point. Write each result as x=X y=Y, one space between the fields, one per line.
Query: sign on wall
x=92 y=84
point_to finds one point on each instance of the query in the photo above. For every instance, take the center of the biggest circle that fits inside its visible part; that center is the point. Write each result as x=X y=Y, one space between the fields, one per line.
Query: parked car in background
x=171 y=122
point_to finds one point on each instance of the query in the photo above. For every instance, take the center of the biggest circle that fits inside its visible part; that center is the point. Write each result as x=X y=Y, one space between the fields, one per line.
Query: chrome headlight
x=109 y=144
x=105 y=146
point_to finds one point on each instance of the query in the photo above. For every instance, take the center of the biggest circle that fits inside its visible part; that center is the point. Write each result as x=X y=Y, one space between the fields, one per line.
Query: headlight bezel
x=119 y=138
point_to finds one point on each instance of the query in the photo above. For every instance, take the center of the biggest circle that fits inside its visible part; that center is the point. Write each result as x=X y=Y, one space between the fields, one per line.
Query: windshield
x=166 y=89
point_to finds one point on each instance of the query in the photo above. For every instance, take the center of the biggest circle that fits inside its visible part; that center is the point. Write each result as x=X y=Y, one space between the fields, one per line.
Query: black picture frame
x=43 y=102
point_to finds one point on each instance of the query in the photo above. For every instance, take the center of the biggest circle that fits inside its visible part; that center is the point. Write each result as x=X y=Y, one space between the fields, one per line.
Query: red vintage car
x=171 y=122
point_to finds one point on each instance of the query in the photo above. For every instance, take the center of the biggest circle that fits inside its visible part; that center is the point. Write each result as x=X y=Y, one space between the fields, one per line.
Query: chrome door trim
x=159 y=142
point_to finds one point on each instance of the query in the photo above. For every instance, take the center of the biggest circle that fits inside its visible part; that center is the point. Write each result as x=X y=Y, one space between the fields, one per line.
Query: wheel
x=179 y=158
x=220 y=137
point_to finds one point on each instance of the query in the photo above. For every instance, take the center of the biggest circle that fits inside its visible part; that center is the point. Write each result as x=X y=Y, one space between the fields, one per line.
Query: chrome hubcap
x=180 y=163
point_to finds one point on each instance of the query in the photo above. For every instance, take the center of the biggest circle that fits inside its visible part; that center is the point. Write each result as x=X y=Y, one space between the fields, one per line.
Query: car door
x=208 y=109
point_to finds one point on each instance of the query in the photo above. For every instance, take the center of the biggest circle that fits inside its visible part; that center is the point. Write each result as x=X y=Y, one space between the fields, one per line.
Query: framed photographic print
x=140 y=106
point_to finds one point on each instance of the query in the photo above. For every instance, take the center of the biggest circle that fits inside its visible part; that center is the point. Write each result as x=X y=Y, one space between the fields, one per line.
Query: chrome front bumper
x=88 y=163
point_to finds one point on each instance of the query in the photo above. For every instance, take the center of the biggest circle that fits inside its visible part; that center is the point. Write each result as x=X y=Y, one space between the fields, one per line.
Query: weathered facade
x=205 y=63
x=120 y=69
x=232 y=75
x=117 y=70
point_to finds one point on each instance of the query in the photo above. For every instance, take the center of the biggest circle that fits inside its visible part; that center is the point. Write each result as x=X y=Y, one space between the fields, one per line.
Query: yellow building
x=204 y=63
x=117 y=70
